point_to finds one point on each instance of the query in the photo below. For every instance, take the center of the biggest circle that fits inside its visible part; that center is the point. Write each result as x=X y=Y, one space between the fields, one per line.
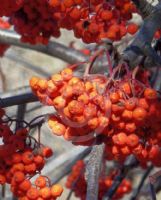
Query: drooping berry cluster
x=37 y=21
x=21 y=158
x=124 y=112
x=76 y=181
x=3 y=25
x=77 y=101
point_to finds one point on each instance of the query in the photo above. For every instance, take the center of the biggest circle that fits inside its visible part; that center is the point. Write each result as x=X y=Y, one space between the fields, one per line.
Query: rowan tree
x=107 y=98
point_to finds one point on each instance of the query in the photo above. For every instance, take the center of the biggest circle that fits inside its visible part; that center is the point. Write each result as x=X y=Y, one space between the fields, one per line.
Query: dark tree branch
x=21 y=109
x=152 y=191
x=141 y=46
x=93 y=169
x=18 y=100
x=144 y=7
x=137 y=190
x=65 y=53
x=129 y=164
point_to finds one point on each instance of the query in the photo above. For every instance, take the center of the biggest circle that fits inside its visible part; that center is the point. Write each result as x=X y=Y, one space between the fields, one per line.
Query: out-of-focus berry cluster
x=22 y=158
x=77 y=183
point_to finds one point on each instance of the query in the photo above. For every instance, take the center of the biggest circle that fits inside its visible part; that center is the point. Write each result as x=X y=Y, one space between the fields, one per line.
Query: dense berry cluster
x=125 y=113
x=76 y=181
x=37 y=20
x=3 y=25
x=77 y=101
x=21 y=158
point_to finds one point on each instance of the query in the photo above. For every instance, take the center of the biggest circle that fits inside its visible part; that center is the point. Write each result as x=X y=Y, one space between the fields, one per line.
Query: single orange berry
x=40 y=182
x=47 y=152
x=45 y=192
x=120 y=139
x=18 y=167
x=27 y=157
x=76 y=107
x=139 y=114
x=30 y=168
x=57 y=79
x=150 y=93
x=33 y=83
x=18 y=176
x=56 y=190
x=59 y=102
x=67 y=74
x=39 y=160
x=32 y=193
x=73 y=81
x=93 y=123
x=132 y=140
x=25 y=185
x=132 y=28
x=130 y=104
x=106 y=15
x=42 y=84
x=127 y=114
x=114 y=97
x=58 y=129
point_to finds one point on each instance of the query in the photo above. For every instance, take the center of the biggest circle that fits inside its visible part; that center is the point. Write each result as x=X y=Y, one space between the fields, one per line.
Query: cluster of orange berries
x=92 y=20
x=3 y=25
x=135 y=125
x=77 y=101
x=124 y=113
x=20 y=160
x=76 y=181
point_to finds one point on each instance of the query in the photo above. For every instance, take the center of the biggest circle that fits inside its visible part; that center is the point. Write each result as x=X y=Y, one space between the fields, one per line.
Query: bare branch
x=144 y=7
x=21 y=109
x=93 y=171
x=67 y=54
x=140 y=185
x=18 y=99
x=142 y=42
x=54 y=49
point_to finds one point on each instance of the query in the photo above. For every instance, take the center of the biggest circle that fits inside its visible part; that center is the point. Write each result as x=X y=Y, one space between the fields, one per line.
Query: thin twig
x=137 y=190
x=131 y=162
x=152 y=191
